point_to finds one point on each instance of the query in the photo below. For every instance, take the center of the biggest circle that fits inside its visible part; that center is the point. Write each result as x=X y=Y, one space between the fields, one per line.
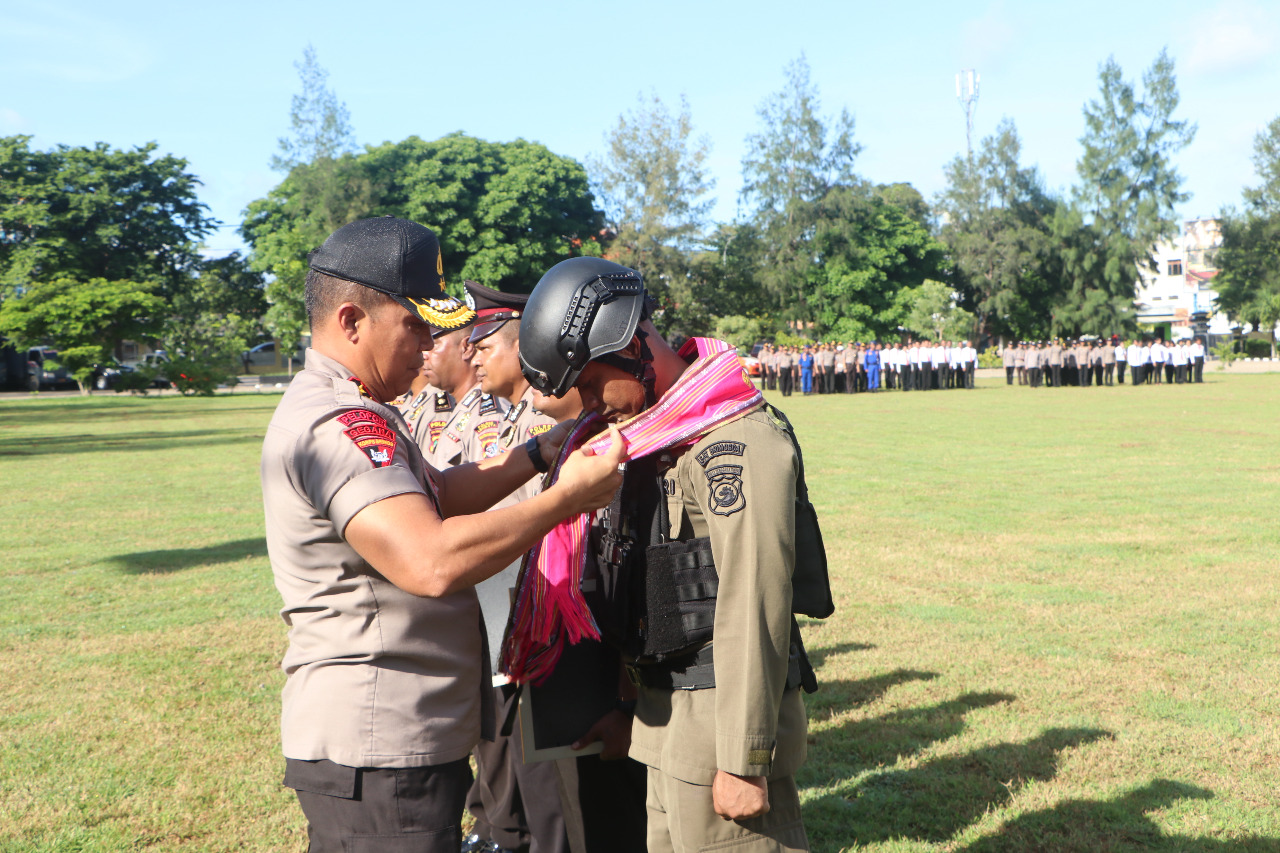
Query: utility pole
x=967 y=93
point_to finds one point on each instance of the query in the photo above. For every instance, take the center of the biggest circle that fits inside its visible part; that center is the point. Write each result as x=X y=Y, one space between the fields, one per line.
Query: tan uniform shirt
x=471 y=433
x=376 y=677
x=425 y=414
x=737 y=486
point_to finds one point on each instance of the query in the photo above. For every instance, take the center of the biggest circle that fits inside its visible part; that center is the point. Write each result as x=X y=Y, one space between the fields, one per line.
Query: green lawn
x=1056 y=628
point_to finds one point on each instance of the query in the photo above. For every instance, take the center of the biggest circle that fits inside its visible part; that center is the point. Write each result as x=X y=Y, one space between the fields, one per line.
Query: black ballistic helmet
x=582 y=308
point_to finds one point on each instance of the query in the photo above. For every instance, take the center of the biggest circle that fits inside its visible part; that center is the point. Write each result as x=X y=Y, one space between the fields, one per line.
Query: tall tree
x=505 y=212
x=96 y=213
x=792 y=162
x=653 y=185
x=996 y=221
x=866 y=251
x=1248 y=280
x=319 y=124
x=1127 y=195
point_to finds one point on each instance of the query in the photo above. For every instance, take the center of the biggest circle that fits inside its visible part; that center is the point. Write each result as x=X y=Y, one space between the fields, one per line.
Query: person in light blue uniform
x=872 y=364
x=806 y=371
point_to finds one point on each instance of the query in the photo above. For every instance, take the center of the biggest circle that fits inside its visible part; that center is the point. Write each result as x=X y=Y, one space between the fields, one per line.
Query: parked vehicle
x=44 y=371
x=107 y=377
x=264 y=355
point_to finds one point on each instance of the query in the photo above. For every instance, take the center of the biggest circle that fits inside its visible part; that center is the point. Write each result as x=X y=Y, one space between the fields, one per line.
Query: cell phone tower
x=967 y=93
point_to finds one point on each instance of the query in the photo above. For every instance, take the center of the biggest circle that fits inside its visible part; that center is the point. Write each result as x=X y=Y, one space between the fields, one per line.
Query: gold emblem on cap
x=447 y=313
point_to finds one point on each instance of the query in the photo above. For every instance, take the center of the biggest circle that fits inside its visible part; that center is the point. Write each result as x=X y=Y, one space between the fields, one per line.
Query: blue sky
x=212 y=82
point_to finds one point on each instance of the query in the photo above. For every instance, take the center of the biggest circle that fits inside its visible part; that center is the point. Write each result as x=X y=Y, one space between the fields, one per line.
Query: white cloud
x=48 y=41
x=1232 y=36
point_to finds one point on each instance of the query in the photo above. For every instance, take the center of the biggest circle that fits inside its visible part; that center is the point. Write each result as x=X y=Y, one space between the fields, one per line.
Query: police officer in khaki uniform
x=722 y=729
x=452 y=411
x=375 y=555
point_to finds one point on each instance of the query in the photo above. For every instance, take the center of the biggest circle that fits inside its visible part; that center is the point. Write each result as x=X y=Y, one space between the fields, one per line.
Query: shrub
x=198 y=377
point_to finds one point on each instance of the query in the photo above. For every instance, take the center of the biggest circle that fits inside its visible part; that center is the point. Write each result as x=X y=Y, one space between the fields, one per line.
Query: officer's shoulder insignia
x=443 y=403
x=369 y=432
x=487 y=434
x=514 y=413
x=724 y=483
x=472 y=396
x=488 y=405
x=720 y=448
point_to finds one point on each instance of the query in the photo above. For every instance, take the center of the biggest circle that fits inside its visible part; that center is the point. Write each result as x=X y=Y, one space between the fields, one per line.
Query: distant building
x=1182 y=283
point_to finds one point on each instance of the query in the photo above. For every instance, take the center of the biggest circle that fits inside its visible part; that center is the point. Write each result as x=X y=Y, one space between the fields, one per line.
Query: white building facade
x=1168 y=298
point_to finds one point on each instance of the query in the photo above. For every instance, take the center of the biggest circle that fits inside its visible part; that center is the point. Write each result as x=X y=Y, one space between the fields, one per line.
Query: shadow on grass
x=178 y=559
x=838 y=695
x=818 y=655
x=846 y=751
x=941 y=797
x=127 y=442
x=1119 y=824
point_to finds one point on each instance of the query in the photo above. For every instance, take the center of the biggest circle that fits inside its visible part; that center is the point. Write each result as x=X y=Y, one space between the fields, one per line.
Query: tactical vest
x=654 y=599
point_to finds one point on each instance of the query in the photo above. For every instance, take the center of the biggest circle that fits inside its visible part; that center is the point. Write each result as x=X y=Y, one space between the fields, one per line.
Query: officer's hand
x=588 y=482
x=550 y=442
x=739 y=797
x=614 y=729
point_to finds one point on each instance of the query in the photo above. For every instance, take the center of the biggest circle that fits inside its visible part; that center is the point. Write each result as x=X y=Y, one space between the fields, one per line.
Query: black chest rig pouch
x=655 y=600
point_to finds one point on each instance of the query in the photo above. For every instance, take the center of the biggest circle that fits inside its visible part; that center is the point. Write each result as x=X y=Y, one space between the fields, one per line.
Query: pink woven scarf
x=549 y=607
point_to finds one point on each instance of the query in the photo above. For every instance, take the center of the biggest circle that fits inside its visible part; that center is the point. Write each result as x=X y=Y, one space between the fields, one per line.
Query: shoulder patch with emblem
x=369 y=432
x=539 y=429
x=725 y=485
x=720 y=448
x=487 y=434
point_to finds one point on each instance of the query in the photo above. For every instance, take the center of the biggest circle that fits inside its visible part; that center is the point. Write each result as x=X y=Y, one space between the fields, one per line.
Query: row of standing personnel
x=852 y=368
x=1053 y=364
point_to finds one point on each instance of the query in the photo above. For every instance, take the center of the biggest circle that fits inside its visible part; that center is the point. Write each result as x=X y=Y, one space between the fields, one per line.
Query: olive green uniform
x=736 y=486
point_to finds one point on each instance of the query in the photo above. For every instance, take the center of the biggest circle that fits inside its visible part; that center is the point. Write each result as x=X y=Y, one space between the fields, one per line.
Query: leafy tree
x=213 y=321
x=320 y=124
x=935 y=313
x=1125 y=202
x=96 y=213
x=866 y=251
x=1248 y=280
x=504 y=212
x=653 y=185
x=996 y=220
x=85 y=319
x=740 y=331
x=795 y=159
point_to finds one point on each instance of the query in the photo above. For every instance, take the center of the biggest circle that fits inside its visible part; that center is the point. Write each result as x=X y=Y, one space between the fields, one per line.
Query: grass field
x=1056 y=628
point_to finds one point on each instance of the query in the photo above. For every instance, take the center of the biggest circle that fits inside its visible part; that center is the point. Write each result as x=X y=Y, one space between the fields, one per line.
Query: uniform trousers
x=381 y=810
x=1120 y=371
x=806 y=381
x=682 y=819
x=873 y=378
x=1168 y=372
x=602 y=804
x=515 y=804
x=1107 y=373
x=829 y=380
x=1056 y=370
x=1198 y=369
x=784 y=381
x=1008 y=376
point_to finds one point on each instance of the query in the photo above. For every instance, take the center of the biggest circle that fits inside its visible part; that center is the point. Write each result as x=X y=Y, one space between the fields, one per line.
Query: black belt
x=691 y=672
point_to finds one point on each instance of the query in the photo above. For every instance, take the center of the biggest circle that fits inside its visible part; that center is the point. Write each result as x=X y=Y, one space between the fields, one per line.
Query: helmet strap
x=641 y=368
